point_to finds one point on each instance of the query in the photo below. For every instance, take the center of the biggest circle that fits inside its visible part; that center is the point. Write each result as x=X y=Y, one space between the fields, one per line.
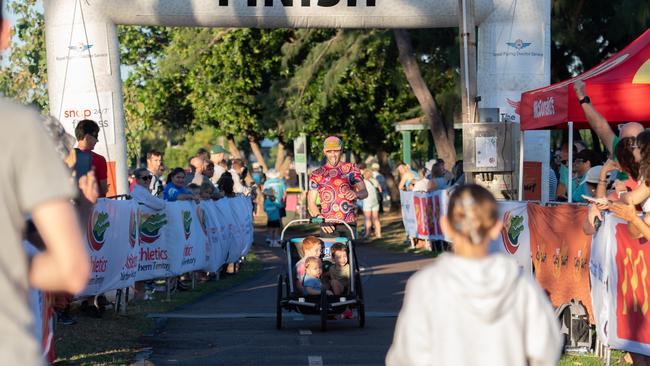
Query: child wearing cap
x=272 y=209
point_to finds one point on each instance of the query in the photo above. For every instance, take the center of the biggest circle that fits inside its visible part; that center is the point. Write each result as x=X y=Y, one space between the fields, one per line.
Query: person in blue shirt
x=584 y=161
x=175 y=189
x=276 y=183
x=274 y=224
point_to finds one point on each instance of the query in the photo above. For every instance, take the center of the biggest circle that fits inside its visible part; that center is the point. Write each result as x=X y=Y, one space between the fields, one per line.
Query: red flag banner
x=560 y=252
x=633 y=285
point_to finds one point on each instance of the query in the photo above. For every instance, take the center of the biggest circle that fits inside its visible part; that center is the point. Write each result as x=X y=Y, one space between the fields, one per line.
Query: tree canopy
x=252 y=83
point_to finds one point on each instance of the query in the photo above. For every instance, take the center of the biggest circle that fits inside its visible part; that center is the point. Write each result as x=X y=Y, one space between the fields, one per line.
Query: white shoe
x=275 y=243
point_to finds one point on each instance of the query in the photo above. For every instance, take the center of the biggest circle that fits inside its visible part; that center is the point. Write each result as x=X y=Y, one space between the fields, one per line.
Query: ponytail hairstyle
x=643 y=142
x=624 y=154
x=472 y=212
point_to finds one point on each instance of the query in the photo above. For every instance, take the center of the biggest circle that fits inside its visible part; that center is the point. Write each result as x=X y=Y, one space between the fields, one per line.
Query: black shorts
x=274 y=223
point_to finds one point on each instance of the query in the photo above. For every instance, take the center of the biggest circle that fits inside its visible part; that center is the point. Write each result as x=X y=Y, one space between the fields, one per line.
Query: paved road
x=237 y=327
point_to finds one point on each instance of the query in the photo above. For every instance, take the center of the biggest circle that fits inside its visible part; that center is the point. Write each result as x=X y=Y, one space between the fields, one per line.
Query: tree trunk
x=280 y=157
x=384 y=169
x=443 y=136
x=258 y=153
x=232 y=147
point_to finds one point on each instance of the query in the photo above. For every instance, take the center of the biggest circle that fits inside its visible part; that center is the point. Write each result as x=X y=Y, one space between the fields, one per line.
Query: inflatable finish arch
x=83 y=60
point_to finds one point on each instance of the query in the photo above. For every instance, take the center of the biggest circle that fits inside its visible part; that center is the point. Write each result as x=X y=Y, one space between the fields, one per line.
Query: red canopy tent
x=619 y=89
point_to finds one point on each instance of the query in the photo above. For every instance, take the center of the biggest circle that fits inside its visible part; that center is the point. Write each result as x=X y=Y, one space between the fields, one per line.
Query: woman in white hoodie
x=471 y=308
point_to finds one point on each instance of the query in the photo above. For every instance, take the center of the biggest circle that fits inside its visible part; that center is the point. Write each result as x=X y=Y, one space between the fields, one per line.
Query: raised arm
x=597 y=122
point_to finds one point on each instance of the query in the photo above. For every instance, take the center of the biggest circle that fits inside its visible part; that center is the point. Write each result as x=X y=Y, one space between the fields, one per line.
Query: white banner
x=153 y=254
x=421 y=212
x=514 y=239
x=112 y=232
x=215 y=254
x=184 y=237
x=227 y=225
x=620 y=287
x=601 y=248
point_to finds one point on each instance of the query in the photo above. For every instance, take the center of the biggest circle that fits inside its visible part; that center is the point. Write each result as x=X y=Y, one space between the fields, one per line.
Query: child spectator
x=311 y=283
x=175 y=187
x=196 y=190
x=207 y=191
x=470 y=302
x=272 y=209
x=311 y=247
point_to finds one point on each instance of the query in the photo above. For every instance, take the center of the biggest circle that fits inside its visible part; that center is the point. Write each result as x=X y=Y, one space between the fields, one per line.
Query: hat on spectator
x=256 y=165
x=374 y=166
x=272 y=173
x=588 y=155
x=218 y=149
x=593 y=175
x=332 y=143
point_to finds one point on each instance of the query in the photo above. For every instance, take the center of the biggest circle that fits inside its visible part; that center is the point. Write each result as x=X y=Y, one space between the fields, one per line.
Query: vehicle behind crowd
x=327 y=303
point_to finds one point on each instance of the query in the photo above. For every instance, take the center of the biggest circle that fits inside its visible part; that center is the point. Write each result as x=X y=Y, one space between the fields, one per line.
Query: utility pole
x=467 y=30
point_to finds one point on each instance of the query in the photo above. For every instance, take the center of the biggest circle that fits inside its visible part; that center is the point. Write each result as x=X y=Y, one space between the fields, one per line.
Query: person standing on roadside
x=87 y=134
x=28 y=153
x=217 y=155
x=338 y=184
x=154 y=163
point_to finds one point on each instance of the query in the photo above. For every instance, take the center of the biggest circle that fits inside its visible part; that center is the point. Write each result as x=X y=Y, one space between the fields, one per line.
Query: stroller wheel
x=323 y=311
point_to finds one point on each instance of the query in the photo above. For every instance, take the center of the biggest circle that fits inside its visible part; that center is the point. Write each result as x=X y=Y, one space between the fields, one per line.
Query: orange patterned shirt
x=332 y=183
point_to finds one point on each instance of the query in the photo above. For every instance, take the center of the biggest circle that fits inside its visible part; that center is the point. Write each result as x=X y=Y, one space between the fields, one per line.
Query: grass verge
x=115 y=339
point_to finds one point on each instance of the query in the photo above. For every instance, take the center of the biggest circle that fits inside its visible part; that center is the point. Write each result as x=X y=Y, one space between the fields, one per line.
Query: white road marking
x=315 y=360
x=303 y=341
x=305 y=332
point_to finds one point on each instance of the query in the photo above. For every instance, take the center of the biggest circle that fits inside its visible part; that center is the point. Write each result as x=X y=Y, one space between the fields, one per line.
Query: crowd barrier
x=607 y=273
x=128 y=242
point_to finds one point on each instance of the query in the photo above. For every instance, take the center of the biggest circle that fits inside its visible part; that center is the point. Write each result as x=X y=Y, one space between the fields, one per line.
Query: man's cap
x=218 y=149
x=332 y=143
x=593 y=174
x=588 y=155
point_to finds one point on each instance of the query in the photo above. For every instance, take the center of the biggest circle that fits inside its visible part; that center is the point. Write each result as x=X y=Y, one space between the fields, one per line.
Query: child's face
x=206 y=195
x=314 y=270
x=340 y=258
x=313 y=252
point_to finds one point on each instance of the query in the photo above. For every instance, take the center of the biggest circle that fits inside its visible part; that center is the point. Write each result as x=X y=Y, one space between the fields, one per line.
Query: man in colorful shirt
x=339 y=185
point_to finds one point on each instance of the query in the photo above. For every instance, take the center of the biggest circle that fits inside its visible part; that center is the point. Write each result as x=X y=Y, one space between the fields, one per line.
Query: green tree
x=24 y=76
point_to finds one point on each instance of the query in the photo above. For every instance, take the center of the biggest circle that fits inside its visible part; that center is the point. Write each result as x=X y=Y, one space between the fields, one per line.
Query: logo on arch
x=96 y=231
x=518 y=44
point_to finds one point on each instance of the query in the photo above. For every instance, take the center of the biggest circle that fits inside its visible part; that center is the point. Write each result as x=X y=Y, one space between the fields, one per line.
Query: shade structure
x=619 y=88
